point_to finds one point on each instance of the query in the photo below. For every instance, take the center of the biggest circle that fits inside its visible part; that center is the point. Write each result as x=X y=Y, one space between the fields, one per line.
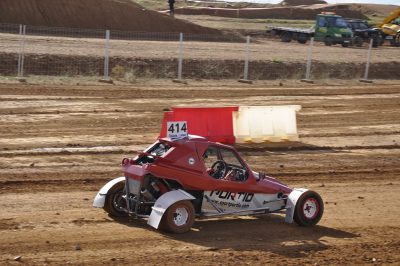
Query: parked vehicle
x=362 y=32
x=329 y=28
x=175 y=181
x=390 y=27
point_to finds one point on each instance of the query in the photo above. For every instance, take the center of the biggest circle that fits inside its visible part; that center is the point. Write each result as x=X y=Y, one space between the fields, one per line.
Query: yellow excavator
x=390 y=27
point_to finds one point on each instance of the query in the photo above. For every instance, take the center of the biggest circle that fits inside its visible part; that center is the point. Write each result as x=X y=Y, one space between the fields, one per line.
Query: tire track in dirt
x=50 y=171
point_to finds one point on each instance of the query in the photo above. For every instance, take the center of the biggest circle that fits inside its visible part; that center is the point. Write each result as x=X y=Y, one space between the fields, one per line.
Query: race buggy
x=175 y=181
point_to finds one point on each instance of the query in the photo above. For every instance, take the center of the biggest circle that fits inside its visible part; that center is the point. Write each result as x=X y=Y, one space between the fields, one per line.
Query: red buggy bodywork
x=175 y=165
x=170 y=183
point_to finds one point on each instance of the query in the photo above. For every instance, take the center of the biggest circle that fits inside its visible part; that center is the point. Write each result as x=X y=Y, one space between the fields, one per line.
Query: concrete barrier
x=265 y=124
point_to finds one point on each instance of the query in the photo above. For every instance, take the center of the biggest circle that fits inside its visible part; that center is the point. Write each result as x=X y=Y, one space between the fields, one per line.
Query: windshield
x=230 y=158
x=341 y=23
x=150 y=154
x=359 y=26
x=363 y=26
x=158 y=149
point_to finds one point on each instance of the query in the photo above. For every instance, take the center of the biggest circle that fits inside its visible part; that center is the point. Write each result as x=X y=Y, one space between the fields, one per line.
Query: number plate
x=177 y=129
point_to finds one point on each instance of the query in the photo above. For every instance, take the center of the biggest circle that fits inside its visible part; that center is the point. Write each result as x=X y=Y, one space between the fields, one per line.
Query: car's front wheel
x=309 y=209
x=328 y=41
x=115 y=204
x=179 y=217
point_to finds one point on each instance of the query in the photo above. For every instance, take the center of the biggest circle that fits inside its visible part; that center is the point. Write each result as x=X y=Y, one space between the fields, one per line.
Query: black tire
x=328 y=41
x=309 y=209
x=381 y=40
x=178 y=218
x=115 y=203
x=345 y=44
x=376 y=41
x=286 y=37
x=397 y=40
x=358 y=41
x=302 y=38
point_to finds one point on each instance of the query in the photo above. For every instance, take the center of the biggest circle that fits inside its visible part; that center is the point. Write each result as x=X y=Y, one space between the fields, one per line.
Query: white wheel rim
x=310 y=208
x=181 y=216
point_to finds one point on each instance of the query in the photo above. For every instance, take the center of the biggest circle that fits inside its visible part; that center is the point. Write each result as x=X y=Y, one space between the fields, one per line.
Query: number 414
x=177 y=127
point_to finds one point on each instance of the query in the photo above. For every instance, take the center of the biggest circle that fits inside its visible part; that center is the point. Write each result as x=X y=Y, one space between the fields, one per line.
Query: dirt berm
x=205 y=68
x=93 y=14
x=287 y=12
x=301 y=2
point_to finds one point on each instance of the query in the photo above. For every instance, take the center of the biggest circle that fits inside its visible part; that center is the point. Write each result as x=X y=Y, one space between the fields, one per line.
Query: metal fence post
x=106 y=77
x=180 y=56
x=21 y=55
x=246 y=63
x=365 y=79
x=180 y=60
x=309 y=59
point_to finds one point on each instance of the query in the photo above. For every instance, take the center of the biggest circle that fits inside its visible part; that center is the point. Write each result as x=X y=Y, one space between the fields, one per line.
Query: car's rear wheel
x=345 y=44
x=302 y=38
x=376 y=41
x=309 y=209
x=397 y=39
x=179 y=217
x=115 y=204
x=358 y=41
x=286 y=37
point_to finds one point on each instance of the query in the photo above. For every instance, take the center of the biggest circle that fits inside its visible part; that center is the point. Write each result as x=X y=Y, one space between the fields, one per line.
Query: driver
x=218 y=168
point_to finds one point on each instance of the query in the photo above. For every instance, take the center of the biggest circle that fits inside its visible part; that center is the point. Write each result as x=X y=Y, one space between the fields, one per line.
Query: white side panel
x=265 y=123
x=291 y=203
x=100 y=198
x=230 y=201
x=162 y=204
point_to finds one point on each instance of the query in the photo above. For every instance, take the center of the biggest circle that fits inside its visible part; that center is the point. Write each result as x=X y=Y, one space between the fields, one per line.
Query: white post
x=368 y=60
x=247 y=57
x=309 y=58
x=245 y=78
x=20 y=51
x=23 y=50
x=180 y=56
x=106 y=56
x=21 y=55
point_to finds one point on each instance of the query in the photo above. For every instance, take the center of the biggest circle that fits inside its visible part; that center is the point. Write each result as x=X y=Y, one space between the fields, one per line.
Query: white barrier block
x=266 y=123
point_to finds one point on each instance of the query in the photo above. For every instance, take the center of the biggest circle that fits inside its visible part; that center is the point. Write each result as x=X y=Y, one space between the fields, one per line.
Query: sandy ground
x=260 y=49
x=59 y=144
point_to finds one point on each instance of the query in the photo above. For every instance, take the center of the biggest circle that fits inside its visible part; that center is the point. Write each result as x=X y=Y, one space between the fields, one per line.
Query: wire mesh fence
x=32 y=50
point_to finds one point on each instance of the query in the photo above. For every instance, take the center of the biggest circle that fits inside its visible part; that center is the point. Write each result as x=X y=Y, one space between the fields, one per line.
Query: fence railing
x=31 y=50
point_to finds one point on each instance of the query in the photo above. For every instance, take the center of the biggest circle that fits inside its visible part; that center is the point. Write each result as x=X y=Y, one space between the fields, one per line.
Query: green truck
x=329 y=28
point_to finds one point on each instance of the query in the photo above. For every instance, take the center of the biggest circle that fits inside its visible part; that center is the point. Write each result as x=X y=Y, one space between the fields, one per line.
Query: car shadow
x=265 y=233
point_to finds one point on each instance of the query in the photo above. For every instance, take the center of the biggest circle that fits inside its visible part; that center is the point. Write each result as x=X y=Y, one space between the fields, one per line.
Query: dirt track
x=59 y=144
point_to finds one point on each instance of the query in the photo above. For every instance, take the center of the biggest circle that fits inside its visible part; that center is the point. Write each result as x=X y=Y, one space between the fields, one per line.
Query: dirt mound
x=300 y=12
x=93 y=14
x=301 y=2
x=374 y=9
